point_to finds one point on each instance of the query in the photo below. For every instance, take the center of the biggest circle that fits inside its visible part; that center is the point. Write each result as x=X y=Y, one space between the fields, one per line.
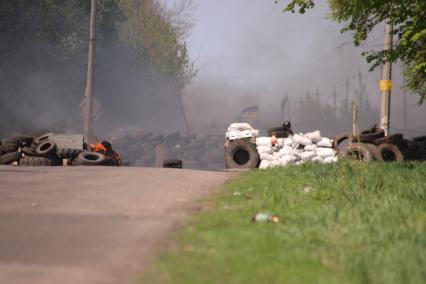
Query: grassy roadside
x=342 y=223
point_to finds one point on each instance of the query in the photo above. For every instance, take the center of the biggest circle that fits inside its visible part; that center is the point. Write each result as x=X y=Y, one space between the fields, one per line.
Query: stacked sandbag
x=241 y=130
x=294 y=150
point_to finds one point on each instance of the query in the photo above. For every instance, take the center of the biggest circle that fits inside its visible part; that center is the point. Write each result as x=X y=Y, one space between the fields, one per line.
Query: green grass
x=361 y=223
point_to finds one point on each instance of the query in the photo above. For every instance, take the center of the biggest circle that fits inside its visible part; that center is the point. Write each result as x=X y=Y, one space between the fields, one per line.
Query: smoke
x=249 y=52
x=246 y=52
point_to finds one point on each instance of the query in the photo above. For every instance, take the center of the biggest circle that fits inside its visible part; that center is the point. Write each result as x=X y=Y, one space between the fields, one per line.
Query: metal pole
x=386 y=83
x=88 y=119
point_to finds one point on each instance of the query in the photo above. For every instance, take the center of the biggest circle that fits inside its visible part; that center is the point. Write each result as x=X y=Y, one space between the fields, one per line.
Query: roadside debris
x=52 y=149
x=264 y=217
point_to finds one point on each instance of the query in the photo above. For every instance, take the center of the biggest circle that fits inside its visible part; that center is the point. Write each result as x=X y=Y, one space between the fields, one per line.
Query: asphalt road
x=92 y=224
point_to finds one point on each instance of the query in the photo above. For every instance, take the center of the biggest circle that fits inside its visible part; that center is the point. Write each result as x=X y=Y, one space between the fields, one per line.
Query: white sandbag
x=264 y=150
x=286 y=150
x=277 y=155
x=295 y=145
x=317 y=159
x=267 y=157
x=263 y=141
x=330 y=160
x=325 y=152
x=288 y=141
x=301 y=140
x=325 y=142
x=264 y=164
x=312 y=147
x=314 y=136
x=275 y=163
x=240 y=126
x=287 y=160
x=307 y=155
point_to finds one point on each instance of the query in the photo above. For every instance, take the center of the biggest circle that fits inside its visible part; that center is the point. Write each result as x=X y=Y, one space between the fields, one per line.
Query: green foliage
x=156 y=43
x=357 y=223
x=409 y=19
x=34 y=30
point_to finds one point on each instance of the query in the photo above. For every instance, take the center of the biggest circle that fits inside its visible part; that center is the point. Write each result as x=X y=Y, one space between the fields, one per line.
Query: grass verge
x=347 y=222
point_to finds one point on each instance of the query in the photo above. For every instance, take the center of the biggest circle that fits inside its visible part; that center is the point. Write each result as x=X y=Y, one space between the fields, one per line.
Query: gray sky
x=249 y=52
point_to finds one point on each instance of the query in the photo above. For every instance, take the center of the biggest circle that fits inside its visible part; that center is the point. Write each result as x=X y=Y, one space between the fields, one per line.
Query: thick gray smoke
x=250 y=53
x=247 y=52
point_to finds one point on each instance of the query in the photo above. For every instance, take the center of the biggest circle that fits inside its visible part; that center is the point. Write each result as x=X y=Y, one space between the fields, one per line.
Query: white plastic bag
x=264 y=164
x=301 y=140
x=314 y=136
x=286 y=150
x=287 y=160
x=312 y=147
x=240 y=126
x=325 y=142
x=288 y=141
x=330 y=160
x=264 y=149
x=307 y=155
x=267 y=157
x=325 y=152
x=263 y=141
x=317 y=159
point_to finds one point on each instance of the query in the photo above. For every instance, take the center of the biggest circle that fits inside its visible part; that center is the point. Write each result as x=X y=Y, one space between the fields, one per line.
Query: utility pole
x=334 y=100
x=88 y=118
x=386 y=82
x=347 y=93
x=404 y=105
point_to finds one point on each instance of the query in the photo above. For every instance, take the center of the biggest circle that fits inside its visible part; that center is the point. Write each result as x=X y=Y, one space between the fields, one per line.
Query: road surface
x=92 y=224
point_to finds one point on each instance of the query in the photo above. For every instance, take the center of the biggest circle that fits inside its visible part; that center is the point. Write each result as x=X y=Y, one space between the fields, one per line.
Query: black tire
x=389 y=153
x=419 y=139
x=340 y=138
x=241 y=154
x=9 y=158
x=390 y=139
x=356 y=151
x=36 y=161
x=370 y=135
x=28 y=151
x=276 y=129
x=7 y=147
x=279 y=134
x=46 y=149
x=90 y=159
x=21 y=140
x=172 y=163
x=42 y=138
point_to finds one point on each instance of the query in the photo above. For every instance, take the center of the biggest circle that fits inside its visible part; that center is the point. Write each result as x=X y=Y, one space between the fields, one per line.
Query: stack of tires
x=26 y=150
x=373 y=145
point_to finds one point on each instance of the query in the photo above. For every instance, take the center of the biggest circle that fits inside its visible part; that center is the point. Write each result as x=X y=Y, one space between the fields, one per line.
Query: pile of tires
x=373 y=145
x=26 y=150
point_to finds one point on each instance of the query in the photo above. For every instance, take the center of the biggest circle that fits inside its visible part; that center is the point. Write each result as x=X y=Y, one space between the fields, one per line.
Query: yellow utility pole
x=386 y=82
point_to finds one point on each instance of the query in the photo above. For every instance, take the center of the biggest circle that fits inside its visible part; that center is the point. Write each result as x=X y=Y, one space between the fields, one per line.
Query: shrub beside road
x=348 y=222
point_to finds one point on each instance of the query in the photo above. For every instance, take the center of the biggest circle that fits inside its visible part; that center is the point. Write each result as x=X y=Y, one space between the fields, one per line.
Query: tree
x=361 y=17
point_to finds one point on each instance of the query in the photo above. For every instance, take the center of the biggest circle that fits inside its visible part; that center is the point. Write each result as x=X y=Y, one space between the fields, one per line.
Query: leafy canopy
x=362 y=16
